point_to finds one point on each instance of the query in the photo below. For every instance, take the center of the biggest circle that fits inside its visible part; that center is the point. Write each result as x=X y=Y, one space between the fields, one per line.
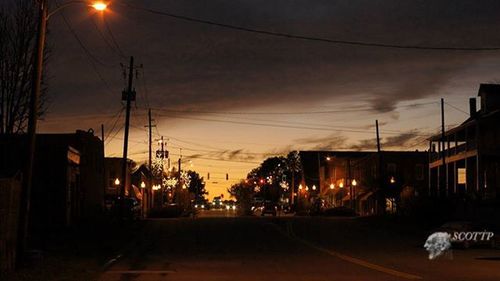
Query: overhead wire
x=113 y=39
x=306 y=37
x=92 y=60
x=274 y=125
x=363 y=109
x=456 y=108
x=106 y=41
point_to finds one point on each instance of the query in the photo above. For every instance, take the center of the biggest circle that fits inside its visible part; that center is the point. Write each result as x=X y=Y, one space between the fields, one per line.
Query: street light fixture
x=117 y=181
x=143 y=184
x=332 y=186
x=354 y=182
x=100 y=6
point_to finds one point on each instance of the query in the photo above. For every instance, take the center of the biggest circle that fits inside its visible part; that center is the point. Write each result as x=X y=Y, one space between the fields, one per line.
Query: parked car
x=132 y=208
x=269 y=208
x=230 y=205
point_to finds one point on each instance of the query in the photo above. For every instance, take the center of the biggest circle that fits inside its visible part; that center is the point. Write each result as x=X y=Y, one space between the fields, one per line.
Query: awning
x=137 y=192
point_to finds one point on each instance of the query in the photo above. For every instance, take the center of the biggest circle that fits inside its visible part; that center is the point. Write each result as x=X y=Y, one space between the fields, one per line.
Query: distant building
x=367 y=181
x=390 y=181
x=465 y=162
x=68 y=179
x=142 y=183
x=114 y=178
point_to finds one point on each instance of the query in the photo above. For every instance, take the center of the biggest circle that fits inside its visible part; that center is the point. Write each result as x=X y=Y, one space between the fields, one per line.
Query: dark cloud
x=330 y=142
x=365 y=144
x=410 y=140
x=192 y=66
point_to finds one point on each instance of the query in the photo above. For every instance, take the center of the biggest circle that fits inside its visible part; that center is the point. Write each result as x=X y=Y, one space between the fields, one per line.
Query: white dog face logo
x=437 y=244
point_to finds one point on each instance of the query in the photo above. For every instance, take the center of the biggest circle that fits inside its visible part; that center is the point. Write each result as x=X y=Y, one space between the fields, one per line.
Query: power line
x=113 y=38
x=309 y=38
x=93 y=58
x=90 y=58
x=291 y=112
x=456 y=108
x=113 y=127
x=114 y=49
x=278 y=126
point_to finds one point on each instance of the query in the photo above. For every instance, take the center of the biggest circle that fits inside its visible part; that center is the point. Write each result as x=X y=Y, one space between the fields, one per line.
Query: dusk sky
x=230 y=98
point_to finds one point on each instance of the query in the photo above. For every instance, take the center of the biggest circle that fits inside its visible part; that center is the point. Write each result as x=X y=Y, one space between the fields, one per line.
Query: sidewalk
x=78 y=253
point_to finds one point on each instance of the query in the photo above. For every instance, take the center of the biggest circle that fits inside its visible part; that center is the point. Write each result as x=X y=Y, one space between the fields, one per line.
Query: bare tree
x=18 y=29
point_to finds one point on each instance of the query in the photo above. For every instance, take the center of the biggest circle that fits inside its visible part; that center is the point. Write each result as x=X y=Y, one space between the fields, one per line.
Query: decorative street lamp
x=117 y=181
x=392 y=180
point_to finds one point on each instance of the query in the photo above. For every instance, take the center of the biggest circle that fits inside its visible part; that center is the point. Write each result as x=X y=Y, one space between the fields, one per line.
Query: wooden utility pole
x=380 y=197
x=179 y=164
x=378 y=136
x=149 y=191
x=128 y=95
x=34 y=103
x=103 y=167
x=444 y=179
x=150 y=139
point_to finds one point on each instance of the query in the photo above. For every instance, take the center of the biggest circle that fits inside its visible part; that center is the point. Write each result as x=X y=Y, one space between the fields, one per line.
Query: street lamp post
x=34 y=103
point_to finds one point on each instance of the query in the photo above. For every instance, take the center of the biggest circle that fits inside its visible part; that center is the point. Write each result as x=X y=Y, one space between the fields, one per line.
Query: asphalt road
x=233 y=248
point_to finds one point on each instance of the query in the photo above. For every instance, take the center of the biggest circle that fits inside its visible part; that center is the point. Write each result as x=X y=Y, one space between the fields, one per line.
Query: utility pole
x=380 y=197
x=32 y=120
x=150 y=139
x=102 y=132
x=103 y=167
x=179 y=164
x=444 y=179
x=378 y=136
x=127 y=95
x=150 y=192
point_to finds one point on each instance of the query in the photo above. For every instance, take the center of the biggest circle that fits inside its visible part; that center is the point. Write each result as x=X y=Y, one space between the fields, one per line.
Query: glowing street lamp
x=117 y=181
x=314 y=187
x=332 y=186
x=354 y=183
x=99 y=6
x=307 y=188
x=392 y=180
x=143 y=185
x=341 y=185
